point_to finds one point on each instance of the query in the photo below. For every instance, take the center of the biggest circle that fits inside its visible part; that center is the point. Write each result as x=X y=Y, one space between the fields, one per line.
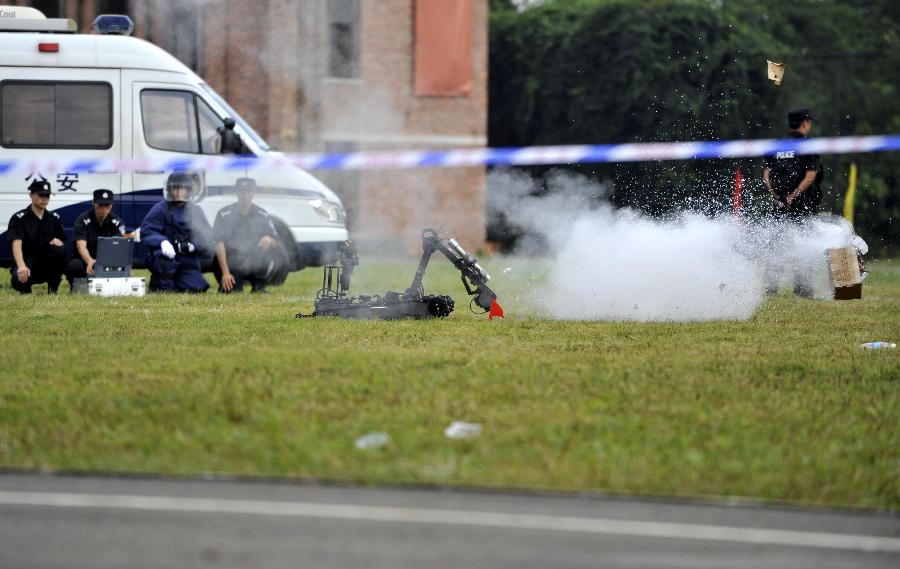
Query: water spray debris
x=776 y=72
x=620 y=264
x=462 y=430
x=878 y=346
x=376 y=439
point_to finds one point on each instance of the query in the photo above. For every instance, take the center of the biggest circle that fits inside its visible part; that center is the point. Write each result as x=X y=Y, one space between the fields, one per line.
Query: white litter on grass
x=462 y=430
x=376 y=439
x=507 y=270
x=878 y=345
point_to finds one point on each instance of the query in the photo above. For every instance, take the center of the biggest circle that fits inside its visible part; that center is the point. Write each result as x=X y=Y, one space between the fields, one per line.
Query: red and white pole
x=738 y=190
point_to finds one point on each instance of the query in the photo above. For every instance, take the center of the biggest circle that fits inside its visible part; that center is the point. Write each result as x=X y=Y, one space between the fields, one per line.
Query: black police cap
x=245 y=185
x=39 y=187
x=103 y=197
x=797 y=116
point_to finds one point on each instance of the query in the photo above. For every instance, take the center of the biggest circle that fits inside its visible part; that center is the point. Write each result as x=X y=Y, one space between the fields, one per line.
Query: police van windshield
x=237 y=118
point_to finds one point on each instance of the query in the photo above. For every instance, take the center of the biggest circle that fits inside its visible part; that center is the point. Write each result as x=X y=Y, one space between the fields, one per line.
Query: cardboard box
x=119 y=286
x=845 y=275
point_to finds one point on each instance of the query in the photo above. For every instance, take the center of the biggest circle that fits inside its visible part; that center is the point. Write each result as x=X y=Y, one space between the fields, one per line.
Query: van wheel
x=291 y=247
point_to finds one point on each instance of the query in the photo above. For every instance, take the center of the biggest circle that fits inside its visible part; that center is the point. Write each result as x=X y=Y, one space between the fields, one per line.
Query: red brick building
x=342 y=75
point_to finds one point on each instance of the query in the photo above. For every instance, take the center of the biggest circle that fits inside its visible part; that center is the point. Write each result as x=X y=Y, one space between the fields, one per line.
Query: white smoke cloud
x=608 y=264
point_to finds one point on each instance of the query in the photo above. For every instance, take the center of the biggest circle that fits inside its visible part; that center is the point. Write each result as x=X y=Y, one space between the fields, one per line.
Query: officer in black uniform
x=36 y=235
x=795 y=179
x=247 y=246
x=99 y=221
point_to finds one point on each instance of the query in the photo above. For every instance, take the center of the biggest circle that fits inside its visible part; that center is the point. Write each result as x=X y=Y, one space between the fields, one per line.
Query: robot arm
x=473 y=276
x=349 y=259
x=332 y=299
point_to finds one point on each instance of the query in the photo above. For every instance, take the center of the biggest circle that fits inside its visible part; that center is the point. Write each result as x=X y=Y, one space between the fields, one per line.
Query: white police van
x=68 y=96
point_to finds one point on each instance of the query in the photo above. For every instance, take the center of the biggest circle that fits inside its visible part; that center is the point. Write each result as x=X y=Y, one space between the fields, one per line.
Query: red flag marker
x=496 y=310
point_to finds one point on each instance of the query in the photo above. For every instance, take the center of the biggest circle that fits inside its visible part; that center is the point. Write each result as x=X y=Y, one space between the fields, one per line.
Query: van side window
x=209 y=122
x=170 y=120
x=178 y=121
x=47 y=114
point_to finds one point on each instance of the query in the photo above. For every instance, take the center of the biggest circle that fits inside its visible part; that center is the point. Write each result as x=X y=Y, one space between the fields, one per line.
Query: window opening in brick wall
x=343 y=38
x=113 y=7
x=50 y=8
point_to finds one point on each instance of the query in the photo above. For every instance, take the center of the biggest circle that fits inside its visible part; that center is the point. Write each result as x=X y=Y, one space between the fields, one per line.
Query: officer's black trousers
x=181 y=274
x=76 y=268
x=45 y=268
x=795 y=214
x=258 y=269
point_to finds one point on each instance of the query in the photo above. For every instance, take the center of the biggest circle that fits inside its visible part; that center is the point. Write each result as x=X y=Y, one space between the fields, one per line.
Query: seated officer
x=176 y=233
x=99 y=221
x=247 y=246
x=36 y=236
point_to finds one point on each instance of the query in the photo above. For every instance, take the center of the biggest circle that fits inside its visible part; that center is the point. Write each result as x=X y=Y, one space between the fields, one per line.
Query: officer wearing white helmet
x=177 y=233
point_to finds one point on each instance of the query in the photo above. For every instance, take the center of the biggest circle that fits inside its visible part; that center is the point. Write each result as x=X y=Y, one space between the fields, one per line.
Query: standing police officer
x=176 y=233
x=794 y=179
x=99 y=221
x=36 y=235
x=247 y=243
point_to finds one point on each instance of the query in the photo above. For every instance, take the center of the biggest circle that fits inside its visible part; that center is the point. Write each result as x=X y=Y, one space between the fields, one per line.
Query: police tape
x=469 y=157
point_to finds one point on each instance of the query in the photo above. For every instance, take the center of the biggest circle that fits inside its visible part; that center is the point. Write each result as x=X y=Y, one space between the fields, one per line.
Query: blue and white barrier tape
x=467 y=157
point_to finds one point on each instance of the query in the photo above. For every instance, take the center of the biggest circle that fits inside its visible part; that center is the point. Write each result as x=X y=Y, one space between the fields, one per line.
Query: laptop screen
x=114 y=257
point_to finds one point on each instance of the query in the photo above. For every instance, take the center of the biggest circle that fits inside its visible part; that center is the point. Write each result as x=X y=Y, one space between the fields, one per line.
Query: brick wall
x=380 y=111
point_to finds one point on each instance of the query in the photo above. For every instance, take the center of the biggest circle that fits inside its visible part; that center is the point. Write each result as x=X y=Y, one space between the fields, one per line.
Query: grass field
x=784 y=406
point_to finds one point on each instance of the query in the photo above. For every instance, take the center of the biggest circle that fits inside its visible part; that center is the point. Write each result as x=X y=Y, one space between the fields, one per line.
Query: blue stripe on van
x=241 y=163
x=84 y=166
x=178 y=164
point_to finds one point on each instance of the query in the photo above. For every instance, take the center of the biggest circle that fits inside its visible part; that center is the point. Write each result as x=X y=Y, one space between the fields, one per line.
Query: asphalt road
x=73 y=521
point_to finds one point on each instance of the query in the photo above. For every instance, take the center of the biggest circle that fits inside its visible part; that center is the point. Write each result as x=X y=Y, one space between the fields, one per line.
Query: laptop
x=114 y=256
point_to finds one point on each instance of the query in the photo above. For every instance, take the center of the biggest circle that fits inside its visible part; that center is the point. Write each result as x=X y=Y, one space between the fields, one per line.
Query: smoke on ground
x=617 y=264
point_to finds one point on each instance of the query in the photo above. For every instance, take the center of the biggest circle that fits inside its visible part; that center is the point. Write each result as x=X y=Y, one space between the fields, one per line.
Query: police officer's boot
x=803 y=289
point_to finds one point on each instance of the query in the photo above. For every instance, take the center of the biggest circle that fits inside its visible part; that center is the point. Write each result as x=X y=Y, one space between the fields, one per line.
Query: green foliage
x=612 y=71
x=784 y=406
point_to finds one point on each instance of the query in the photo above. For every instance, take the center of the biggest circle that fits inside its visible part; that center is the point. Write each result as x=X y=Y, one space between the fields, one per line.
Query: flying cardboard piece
x=776 y=71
